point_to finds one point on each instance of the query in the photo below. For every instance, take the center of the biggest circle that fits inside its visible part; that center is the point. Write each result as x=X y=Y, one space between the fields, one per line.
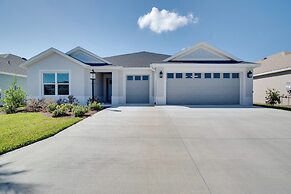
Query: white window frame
x=56 y=72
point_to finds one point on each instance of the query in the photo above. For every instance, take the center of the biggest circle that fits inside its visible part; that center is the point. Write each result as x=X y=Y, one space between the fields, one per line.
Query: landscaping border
x=280 y=107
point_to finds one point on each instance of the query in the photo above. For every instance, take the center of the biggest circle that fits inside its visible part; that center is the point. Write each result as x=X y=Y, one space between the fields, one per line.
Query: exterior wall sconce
x=93 y=77
x=250 y=74
x=161 y=74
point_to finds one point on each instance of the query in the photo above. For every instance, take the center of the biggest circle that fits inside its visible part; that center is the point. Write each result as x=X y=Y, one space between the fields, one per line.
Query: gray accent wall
x=203 y=91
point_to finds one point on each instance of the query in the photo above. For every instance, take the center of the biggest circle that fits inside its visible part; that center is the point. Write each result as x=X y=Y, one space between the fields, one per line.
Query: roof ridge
x=131 y=53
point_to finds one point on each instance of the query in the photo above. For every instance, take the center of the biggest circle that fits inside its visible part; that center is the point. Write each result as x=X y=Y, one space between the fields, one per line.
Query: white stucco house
x=200 y=75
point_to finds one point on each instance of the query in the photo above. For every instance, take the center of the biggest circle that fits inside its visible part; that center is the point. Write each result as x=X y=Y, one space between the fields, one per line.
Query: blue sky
x=248 y=29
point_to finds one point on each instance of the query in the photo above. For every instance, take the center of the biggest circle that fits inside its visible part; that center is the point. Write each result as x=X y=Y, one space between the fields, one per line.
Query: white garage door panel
x=203 y=91
x=137 y=91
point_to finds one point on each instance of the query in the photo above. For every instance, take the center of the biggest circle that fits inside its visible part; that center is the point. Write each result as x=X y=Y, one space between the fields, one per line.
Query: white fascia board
x=87 y=52
x=47 y=53
x=12 y=74
x=138 y=68
x=154 y=65
x=275 y=71
x=105 y=68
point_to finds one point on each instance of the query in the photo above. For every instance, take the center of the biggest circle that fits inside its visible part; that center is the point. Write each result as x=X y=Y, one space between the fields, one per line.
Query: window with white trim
x=56 y=84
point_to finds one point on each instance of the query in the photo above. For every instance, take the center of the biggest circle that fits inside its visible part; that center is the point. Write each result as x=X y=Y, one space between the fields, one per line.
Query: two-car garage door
x=203 y=88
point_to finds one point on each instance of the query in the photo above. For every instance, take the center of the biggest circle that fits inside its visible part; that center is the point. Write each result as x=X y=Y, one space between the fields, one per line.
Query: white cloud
x=164 y=20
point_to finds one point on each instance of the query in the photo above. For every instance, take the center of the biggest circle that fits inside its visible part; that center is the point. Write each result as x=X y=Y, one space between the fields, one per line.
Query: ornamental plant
x=272 y=96
x=14 y=97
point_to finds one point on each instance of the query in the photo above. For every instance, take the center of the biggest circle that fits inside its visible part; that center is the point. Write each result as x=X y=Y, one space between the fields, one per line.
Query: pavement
x=159 y=150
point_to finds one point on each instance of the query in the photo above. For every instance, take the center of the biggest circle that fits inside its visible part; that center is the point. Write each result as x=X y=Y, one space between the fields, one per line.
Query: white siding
x=276 y=82
x=55 y=63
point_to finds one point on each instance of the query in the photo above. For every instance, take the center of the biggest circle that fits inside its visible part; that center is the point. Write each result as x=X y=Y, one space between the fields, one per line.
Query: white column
x=160 y=84
x=115 y=96
x=247 y=92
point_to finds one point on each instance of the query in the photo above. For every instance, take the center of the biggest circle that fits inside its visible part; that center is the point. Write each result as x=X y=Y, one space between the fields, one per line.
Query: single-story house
x=275 y=72
x=200 y=75
x=10 y=70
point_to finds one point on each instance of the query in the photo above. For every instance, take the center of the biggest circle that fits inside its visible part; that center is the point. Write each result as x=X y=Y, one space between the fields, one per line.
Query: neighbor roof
x=139 y=59
x=9 y=64
x=277 y=62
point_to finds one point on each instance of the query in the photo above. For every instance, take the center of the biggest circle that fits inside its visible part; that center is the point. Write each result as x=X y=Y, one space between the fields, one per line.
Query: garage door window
x=137 y=77
x=207 y=75
x=170 y=75
x=226 y=75
x=216 y=75
x=179 y=75
x=197 y=75
x=129 y=77
x=235 y=75
x=145 y=77
x=189 y=75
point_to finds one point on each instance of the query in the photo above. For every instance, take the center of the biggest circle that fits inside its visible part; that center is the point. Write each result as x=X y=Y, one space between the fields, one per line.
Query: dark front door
x=108 y=89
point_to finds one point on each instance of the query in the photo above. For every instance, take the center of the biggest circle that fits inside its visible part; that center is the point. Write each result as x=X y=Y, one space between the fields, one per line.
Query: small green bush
x=14 y=97
x=51 y=107
x=95 y=106
x=80 y=111
x=272 y=97
x=60 y=111
x=68 y=107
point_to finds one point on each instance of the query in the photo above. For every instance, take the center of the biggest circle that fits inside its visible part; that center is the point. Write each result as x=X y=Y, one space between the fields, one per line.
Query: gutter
x=271 y=72
x=13 y=74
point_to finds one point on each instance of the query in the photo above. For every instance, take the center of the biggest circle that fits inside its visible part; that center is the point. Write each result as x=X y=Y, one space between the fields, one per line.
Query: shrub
x=51 y=107
x=60 y=110
x=58 y=113
x=62 y=101
x=272 y=97
x=68 y=107
x=90 y=100
x=72 y=100
x=14 y=97
x=80 y=111
x=95 y=106
x=37 y=105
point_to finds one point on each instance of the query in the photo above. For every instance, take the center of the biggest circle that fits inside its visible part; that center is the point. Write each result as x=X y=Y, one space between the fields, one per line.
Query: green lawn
x=18 y=130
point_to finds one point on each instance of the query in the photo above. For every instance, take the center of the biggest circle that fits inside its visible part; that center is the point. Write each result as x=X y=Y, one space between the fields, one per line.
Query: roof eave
x=89 y=53
x=47 y=53
x=173 y=64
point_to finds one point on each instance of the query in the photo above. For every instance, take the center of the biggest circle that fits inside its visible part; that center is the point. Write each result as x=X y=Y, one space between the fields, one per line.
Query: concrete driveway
x=163 y=150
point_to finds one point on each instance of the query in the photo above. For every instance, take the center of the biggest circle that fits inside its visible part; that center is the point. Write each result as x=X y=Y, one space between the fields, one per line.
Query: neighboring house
x=201 y=75
x=10 y=70
x=275 y=72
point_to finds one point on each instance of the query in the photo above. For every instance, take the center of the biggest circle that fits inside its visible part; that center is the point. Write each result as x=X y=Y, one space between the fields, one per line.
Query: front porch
x=102 y=87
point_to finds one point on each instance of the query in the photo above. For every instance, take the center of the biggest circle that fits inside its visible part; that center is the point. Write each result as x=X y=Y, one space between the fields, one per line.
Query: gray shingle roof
x=139 y=59
x=274 y=62
x=9 y=63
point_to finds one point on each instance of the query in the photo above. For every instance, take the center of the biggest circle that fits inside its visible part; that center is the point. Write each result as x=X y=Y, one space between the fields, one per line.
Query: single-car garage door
x=203 y=88
x=137 y=89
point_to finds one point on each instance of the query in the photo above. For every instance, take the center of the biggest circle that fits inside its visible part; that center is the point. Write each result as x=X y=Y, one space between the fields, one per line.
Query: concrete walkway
x=159 y=150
